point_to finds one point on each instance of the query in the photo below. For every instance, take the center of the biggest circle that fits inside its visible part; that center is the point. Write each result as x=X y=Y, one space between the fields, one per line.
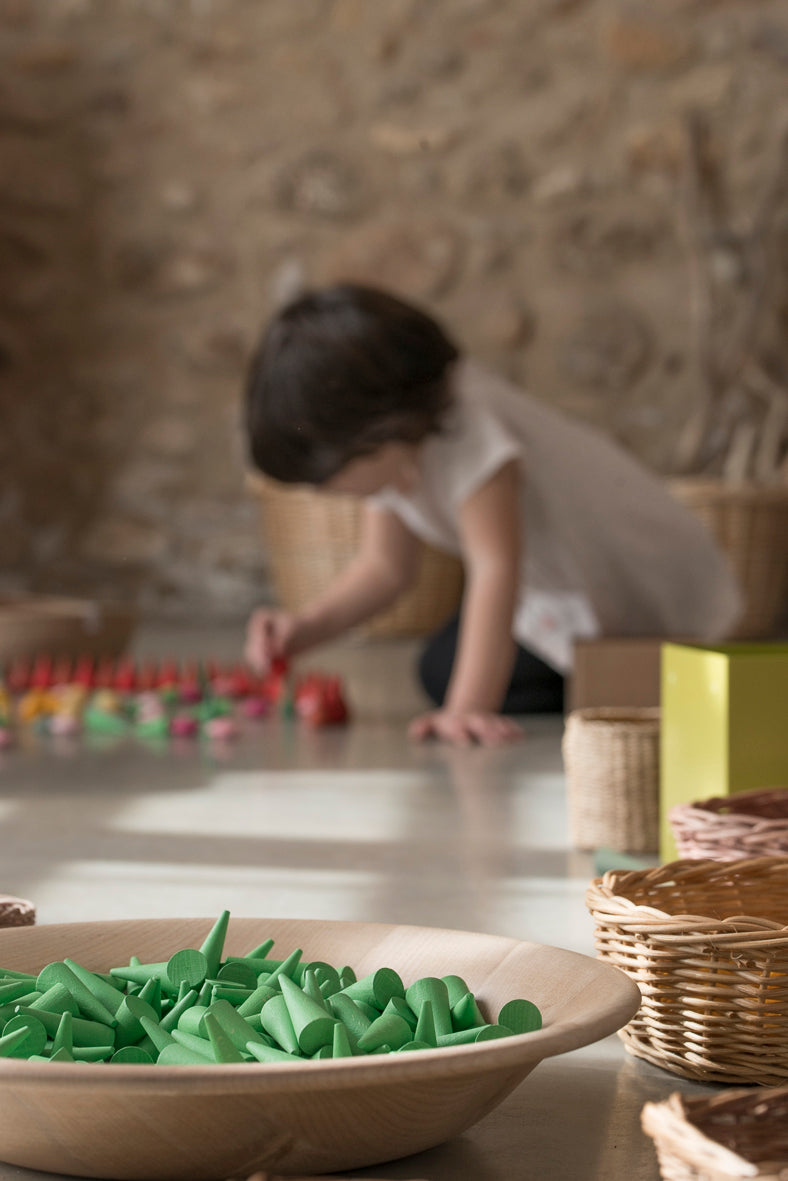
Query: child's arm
x=491 y=537
x=386 y=564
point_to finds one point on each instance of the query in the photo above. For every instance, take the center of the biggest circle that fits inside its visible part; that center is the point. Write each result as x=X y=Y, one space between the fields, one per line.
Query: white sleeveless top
x=607 y=550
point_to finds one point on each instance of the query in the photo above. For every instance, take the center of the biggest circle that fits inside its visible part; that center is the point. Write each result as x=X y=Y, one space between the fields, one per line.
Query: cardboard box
x=724 y=723
x=616 y=671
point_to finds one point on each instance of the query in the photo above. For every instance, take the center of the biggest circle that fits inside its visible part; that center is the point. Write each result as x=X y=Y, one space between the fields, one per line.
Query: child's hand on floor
x=462 y=729
x=269 y=636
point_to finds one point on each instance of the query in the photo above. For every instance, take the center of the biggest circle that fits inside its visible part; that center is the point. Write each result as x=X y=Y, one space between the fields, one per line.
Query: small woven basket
x=311 y=537
x=16 y=912
x=750 y=524
x=725 y=1137
x=611 y=759
x=707 y=944
x=748 y=824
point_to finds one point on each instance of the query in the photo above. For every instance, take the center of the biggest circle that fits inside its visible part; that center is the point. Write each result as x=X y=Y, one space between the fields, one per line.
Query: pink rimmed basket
x=748 y=824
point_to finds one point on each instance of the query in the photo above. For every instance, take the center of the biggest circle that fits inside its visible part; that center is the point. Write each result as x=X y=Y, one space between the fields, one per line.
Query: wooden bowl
x=206 y=1123
x=46 y=625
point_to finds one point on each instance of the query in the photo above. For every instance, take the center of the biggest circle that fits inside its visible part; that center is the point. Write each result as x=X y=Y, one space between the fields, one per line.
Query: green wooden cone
x=340 y=1046
x=232 y=993
x=402 y=1009
x=213 y=945
x=239 y=1031
x=222 y=1046
x=348 y=1012
x=270 y=1053
x=189 y=966
x=199 y=1045
x=7 y=974
x=92 y=1053
x=133 y=1054
x=456 y=988
x=56 y=999
x=254 y=1003
x=89 y=1005
x=129 y=1029
x=64 y=1034
x=414 y=1045
x=13 y=990
x=176 y=1055
x=84 y=1032
x=432 y=989
x=158 y=1036
x=193 y=1020
x=171 y=1018
x=13 y=1041
x=327 y=977
x=108 y=995
x=32 y=1043
x=389 y=1030
x=466 y=1014
x=314 y=1027
x=257 y=965
x=61 y=1055
x=288 y=967
x=142 y=973
x=323 y=1052
x=377 y=988
x=425 y=1026
x=150 y=993
x=312 y=989
x=347 y=976
x=276 y=1020
x=520 y=1016
x=465 y=1037
x=261 y=951
x=205 y=994
x=238 y=974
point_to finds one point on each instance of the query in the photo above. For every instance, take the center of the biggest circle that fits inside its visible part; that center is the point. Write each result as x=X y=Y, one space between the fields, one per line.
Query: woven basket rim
x=723 y=807
x=723 y=491
x=636 y=716
x=607 y=899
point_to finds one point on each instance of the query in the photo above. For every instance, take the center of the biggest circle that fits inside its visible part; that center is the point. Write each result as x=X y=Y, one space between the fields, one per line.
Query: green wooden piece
x=228 y=992
x=456 y=988
x=254 y=1003
x=84 y=1032
x=239 y=1031
x=313 y=1025
x=142 y=973
x=288 y=967
x=348 y=1012
x=347 y=976
x=13 y=990
x=192 y=1020
x=465 y=1037
x=189 y=965
x=56 y=999
x=133 y=1054
x=158 y=1036
x=129 y=1029
x=323 y=1052
x=64 y=1034
x=520 y=1016
x=155 y=727
x=270 y=1054
x=92 y=1053
x=466 y=1014
x=327 y=977
x=198 y=1045
x=276 y=1020
x=14 y=1040
x=7 y=974
x=260 y=952
x=176 y=1055
x=388 y=1030
x=377 y=988
x=89 y=1005
x=171 y=1018
x=340 y=1046
x=432 y=989
x=100 y=721
x=425 y=1026
x=205 y=994
x=414 y=1045
x=221 y=1044
x=311 y=987
x=61 y=1055
x=213 y=945
x=109 y=995
x=34 y=1040
x=237 y=973
x=401 y=1007
x=150 y=993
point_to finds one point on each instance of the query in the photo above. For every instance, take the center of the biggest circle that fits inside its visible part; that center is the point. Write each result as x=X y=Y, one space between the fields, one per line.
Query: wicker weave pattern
x=750 y=523
x=16 y=912
x=750 y=824
x=611 y=758
x=707 y=944
x=732 y=1135
x=311 y=537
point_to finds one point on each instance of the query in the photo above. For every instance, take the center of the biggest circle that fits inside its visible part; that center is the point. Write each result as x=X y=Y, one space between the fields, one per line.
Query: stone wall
x=169 y=170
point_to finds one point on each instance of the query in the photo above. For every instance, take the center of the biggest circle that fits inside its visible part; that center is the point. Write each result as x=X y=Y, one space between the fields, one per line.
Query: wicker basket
x=611 y=759
x=750 y=523
x=33 y=625
x=707 y=944
x=723 y=1137
x=16 y=912
x=749 y=824
x=312 y=536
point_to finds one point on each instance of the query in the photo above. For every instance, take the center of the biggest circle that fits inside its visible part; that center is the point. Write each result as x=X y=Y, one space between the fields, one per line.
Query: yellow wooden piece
x=35 y=704
x=724 y=726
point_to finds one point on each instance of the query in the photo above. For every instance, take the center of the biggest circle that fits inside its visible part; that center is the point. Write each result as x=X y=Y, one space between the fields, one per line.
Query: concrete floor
x=356 y=823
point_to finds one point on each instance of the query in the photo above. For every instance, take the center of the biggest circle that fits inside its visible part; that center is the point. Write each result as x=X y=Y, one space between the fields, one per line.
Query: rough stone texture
x=170 y=171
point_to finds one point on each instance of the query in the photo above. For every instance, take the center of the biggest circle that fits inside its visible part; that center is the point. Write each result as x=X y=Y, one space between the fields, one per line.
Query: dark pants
x=535 y=687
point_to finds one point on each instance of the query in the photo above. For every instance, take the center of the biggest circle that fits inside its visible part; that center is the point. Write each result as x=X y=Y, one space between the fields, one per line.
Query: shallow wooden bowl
x=46 y=625
x=206 y=1123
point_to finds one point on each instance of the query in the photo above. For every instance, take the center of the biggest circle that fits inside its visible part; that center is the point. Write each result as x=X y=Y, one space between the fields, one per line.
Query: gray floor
x=356 y=823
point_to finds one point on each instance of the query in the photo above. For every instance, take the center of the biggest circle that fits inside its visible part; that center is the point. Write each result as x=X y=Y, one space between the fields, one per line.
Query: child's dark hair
x=338 y=373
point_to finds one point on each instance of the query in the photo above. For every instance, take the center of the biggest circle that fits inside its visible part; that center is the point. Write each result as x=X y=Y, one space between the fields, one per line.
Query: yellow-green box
x=724 y=723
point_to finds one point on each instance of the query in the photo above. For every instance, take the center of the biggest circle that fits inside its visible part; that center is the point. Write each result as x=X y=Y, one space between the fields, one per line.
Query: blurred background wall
x=170 y=170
